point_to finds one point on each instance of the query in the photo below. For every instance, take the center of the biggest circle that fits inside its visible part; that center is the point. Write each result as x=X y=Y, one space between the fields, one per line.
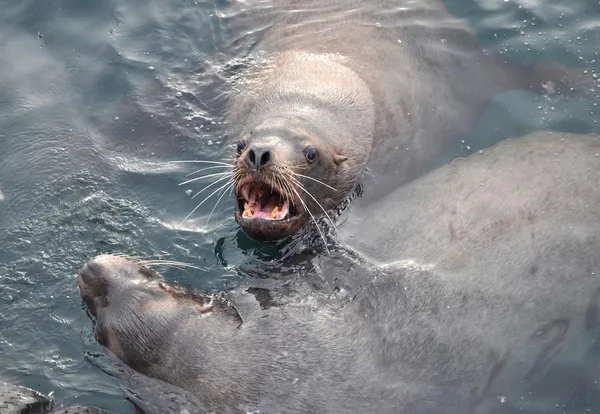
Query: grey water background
x=97 y=96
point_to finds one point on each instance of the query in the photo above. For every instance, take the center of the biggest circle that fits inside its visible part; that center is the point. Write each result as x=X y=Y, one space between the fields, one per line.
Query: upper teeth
x=249 y=210
x=274 y=212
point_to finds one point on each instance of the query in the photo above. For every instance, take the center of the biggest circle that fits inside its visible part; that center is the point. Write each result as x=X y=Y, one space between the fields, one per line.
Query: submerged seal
x=341 y=85
x=15 y=399
x=525 y=185
x=493 y=309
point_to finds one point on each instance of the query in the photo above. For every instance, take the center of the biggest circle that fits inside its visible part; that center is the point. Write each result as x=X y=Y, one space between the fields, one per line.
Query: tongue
x=261 y=207
x=264 y=210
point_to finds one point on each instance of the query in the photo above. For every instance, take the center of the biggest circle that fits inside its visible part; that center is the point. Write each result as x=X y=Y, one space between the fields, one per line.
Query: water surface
x=96 y=97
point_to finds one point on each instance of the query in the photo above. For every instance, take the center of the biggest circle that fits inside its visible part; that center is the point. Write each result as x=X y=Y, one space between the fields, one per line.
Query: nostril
x=252 y=157
x=265 y=158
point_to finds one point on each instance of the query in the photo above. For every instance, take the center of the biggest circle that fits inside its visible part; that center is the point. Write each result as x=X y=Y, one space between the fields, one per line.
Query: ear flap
x=338 y=159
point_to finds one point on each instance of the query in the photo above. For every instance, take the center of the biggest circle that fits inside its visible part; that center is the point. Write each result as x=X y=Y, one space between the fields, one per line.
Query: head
x=136 y=310
x=287 y=170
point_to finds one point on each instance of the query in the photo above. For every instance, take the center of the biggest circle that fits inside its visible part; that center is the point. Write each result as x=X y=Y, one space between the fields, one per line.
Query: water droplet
x=151 y=68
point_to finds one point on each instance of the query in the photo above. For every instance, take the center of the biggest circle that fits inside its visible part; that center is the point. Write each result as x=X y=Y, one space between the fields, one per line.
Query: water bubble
x=188 y=192
x=178 y=94
x=151 y=68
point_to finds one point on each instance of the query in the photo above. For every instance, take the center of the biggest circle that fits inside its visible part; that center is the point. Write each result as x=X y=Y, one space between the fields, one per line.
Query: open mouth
x=261 y=201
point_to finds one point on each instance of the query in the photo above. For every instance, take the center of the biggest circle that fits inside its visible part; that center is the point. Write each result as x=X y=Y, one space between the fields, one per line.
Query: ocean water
x=97 y=98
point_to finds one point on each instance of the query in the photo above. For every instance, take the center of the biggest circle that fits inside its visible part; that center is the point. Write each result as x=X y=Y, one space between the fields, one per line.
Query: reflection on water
x=96 y=96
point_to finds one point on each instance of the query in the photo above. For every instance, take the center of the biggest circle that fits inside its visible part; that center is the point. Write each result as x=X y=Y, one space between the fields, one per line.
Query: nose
x=258 y=157
x=91 y=271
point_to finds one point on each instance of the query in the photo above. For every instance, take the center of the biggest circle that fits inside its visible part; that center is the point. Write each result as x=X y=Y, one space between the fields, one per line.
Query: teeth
x=248 y=210
x=274 y=212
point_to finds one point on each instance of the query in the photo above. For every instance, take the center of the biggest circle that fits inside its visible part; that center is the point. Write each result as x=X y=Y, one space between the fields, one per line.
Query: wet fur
x=372 y=81
x=469 y=320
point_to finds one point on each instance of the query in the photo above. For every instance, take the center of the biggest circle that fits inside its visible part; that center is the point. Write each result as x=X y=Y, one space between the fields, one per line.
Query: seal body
x=341 y=86
x=524 y=185
x=502 y=324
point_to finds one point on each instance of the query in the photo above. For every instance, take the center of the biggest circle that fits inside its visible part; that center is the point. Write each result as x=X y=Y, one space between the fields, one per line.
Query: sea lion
x=16 y=399
x=500 y=325
x=519 y=185
x=339 y=86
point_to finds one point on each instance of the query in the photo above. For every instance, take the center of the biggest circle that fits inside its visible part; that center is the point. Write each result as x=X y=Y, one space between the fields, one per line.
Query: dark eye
x=240 y=146
x=311 y=154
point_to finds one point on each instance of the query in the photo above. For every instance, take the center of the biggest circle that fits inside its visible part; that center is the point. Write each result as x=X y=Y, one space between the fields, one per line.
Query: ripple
x=99 y=98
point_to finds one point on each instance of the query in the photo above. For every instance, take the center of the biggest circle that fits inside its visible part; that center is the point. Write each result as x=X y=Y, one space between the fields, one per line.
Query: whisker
x=208 y=168
x=299 y=184
x=126 y=256
x=204 y=176
x=284 y=193
x=200 y=161
x=289 y=187
x=319 y=204
x=149 y=260
x=313 y=218
x=229 y=185
x=202 y=202
x=168 y=263
x=208 y=186
x=314 y=179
